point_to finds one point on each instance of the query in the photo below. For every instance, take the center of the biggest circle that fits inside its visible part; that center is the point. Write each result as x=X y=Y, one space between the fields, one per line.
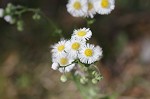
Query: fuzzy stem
x=79 y=87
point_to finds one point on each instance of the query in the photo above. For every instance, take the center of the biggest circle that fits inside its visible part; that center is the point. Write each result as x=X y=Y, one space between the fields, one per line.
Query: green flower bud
x=63 y=78
x=20 y=25
x=9 y=8
x=98 y=78
x=94 y=81
x=13 y=21
x=9 y=5
x=36 y=17
x=93 y=73
x=83 y=80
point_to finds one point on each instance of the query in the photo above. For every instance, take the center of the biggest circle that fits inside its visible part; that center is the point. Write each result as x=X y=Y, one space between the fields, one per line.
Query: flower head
x=59 y=48
x=83 y=34
x=77 y=8
x=65 y=63
x=73 y=46
x=90 y=54
x=91 y=10
x=104 y=6
x=64 y=60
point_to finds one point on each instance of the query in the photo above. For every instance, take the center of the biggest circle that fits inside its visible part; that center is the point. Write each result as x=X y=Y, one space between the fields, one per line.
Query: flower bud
x=83 y=80
x=63 y=78
x=94 y=81
x=20 y=25
x=9 y=19
x=36 y=17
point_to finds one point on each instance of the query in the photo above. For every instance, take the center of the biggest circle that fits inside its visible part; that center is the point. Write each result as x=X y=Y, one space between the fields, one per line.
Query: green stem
x=79 y=87
x=89 y=22
x=21 y=10
x=54 y=26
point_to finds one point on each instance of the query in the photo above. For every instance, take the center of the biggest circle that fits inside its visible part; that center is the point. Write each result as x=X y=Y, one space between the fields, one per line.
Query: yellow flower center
x=88 y=52
x=81 y=33
x=105 y=3
x=90 y=6
x=75 y=46
x=61 y=48
x=63 y=61
x=77 y=5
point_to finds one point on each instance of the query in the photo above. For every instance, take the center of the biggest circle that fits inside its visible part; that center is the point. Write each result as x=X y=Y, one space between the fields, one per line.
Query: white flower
x=58 y=49
x=104 y=6
x=83 y=34
x=90 y=54
x=73 y=46
x=65 y=63
x=55 y=66
x=91 y=10
x=77 y=8
x=1 y=12
x=64 y=60
x=9 y=19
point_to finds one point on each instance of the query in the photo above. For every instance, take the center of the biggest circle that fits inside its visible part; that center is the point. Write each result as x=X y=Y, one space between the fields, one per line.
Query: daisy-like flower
x=77 y=8
x=58 y=49
x=90 y=54
x=83 y=34
x=104 y=6
x=73 y=46
x=65 y=63
x=64 y=60
x=91 y=10
x=1 y=12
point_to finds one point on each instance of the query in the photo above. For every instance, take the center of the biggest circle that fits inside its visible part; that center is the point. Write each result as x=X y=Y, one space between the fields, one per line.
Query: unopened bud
x=63 y=78
x=20 y=25
x=94 y=81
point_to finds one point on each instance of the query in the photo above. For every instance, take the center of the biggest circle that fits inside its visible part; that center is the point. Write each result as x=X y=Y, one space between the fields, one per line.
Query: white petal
x=55 y=66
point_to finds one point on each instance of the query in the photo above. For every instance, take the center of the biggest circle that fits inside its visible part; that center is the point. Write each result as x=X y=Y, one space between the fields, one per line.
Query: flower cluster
x=13 y=14
x=88 y=8
x=75 y=53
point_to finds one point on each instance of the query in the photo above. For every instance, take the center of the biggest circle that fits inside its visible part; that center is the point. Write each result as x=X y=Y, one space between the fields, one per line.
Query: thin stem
x=21 y=9
x=51 y=23
x=96 y=68
x=89 y=22
x=79 y=87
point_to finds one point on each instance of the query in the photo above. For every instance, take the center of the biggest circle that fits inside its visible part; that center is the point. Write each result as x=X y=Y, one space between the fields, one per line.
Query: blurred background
x=124 y=35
